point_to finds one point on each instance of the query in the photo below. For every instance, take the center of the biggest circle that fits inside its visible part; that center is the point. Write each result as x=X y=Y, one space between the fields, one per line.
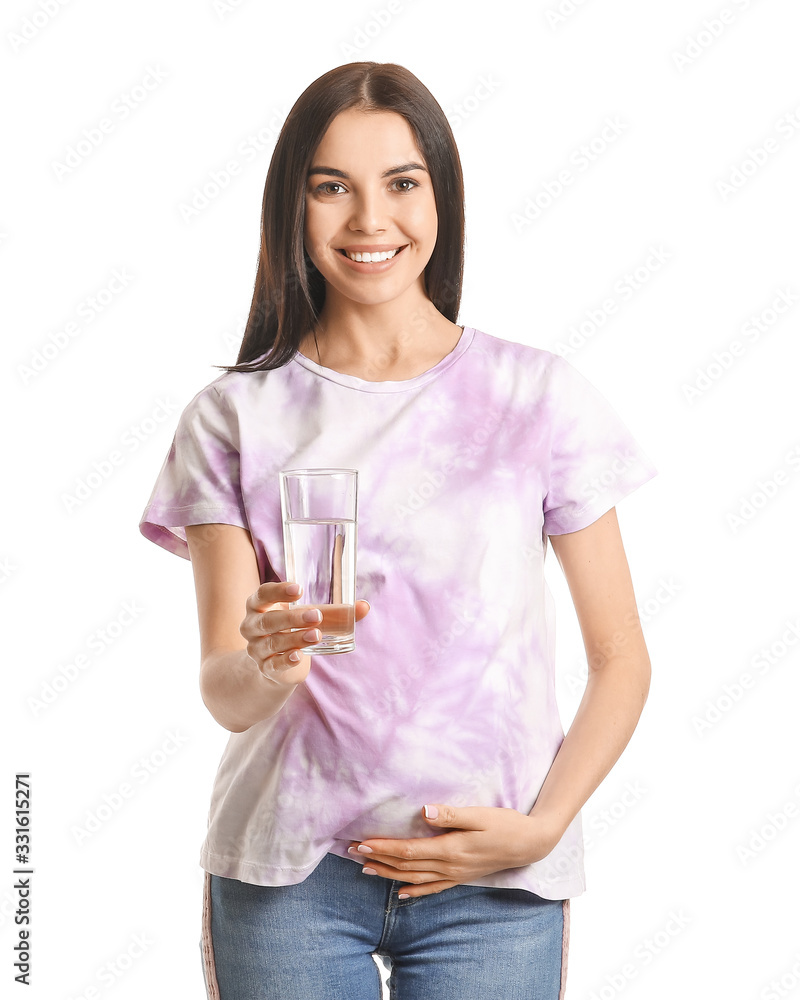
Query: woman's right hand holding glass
x=272 y=630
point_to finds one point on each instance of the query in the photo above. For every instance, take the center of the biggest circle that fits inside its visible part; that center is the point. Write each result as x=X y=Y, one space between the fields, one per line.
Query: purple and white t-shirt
x=449 y=695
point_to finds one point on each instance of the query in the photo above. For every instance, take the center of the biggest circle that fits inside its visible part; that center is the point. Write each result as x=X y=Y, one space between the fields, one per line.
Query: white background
x=694 y=103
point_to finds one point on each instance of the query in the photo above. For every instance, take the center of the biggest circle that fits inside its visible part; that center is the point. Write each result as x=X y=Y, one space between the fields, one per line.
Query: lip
x=370 y=267
x=367 y=248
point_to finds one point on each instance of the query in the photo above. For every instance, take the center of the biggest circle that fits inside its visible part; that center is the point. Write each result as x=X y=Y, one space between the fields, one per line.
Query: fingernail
x=312 y=615
x=369 y=871
x=403 y=895
x=313 y=635
x=431 y=812
x=364 y=849
x=294 y=656
x=293 y=588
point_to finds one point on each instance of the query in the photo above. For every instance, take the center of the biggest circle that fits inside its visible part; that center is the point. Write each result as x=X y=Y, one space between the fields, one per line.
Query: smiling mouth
x=371 y=258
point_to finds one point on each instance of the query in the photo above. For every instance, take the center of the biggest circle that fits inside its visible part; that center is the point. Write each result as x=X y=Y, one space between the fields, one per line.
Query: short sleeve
x=199 y=481
x=594 y=459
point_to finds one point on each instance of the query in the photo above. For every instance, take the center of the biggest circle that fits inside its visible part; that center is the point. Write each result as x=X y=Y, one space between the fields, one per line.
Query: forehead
x=374 y=136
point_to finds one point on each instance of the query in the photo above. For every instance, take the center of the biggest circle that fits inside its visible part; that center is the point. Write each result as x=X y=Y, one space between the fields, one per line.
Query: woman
x=415 y=799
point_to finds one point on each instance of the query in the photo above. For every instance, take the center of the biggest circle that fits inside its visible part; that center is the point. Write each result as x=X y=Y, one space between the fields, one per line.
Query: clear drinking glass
x=319 y=540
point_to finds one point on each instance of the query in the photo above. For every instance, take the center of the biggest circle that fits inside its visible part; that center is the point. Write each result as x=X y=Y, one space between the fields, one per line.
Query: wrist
x=546 y=830
x=237 y=693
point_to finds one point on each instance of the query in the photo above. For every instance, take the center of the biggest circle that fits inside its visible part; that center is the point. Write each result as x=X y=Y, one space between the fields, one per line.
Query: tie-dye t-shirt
x=449 y=695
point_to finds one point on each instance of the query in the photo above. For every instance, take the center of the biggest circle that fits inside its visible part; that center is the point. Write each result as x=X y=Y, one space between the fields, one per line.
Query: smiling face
x=369 y=192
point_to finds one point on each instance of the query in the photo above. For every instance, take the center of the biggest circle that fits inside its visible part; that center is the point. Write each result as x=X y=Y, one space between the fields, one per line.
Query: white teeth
x=369 y=258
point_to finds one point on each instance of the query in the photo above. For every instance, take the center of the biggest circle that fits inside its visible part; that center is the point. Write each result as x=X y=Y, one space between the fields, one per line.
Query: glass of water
x=319 y=541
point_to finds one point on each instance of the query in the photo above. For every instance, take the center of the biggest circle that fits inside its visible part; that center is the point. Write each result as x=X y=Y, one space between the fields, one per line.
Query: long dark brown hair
x=289 y=291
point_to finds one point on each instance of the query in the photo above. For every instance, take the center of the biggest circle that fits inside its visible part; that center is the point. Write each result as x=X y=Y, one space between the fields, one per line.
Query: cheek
x=312 y=237
x=312 y=245
x=315 y=219
x=424 y=218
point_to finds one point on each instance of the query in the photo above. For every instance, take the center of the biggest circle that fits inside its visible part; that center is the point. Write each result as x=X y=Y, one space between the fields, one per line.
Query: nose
x=368 y=213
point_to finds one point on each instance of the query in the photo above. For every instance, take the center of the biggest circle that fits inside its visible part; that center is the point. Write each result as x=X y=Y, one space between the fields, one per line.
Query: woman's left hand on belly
x=480 y=840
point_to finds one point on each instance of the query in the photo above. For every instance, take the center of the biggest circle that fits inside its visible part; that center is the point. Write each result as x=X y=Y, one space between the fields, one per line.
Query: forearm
x=604 y=723
x=236 y=693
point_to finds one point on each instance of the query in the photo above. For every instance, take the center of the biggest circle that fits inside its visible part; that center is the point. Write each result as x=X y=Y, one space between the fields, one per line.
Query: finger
x=273 y=593
x=300 y=617
x=417 y=849
x=464 y=818
x=420 y=877
x=442 y=854
x=282 y=643
x=280 y=620
x=274 y=667
x=440 y=865
x=277 y=631
x=277 y=673
x=428 y=889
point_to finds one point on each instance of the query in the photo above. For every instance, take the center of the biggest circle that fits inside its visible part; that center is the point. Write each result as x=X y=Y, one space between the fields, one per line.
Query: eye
x=325 y=188
x=406 y=181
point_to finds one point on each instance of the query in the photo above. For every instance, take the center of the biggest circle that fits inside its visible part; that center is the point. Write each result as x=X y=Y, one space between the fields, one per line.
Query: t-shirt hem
x=159 y=524
x=273 y=875
x=259 y=874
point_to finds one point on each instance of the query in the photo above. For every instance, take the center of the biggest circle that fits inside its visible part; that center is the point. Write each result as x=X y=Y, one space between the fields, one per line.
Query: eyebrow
x=333 y=172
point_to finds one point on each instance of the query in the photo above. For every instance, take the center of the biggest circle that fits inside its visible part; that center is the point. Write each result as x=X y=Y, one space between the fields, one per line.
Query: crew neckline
x=401 y=385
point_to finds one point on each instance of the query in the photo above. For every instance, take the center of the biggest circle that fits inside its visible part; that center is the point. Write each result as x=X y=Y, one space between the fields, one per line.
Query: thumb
x=440 y=815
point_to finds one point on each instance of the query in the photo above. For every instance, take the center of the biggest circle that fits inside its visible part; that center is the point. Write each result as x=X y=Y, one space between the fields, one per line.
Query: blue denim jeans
x=315 y=940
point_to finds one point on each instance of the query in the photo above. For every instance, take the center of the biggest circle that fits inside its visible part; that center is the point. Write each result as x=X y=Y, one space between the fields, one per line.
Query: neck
x=383 y=342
